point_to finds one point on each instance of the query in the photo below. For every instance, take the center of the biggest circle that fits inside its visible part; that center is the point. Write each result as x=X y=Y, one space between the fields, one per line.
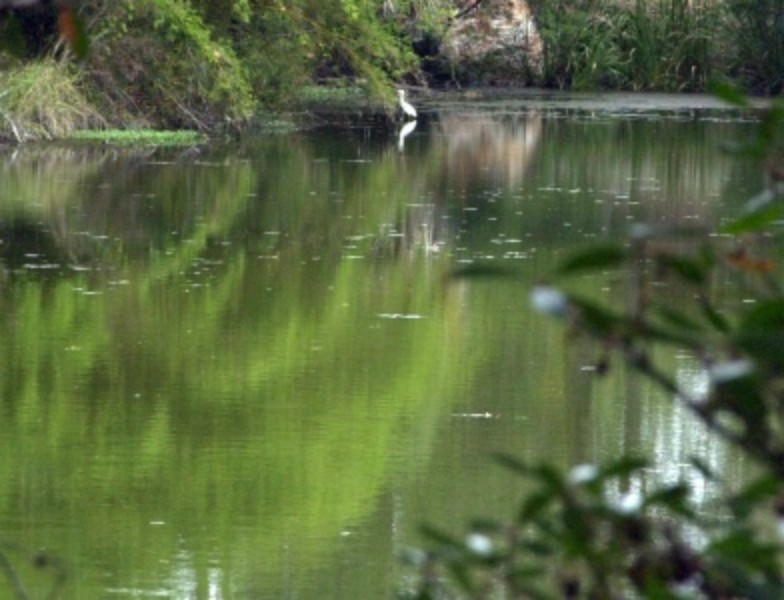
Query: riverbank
x=220 y=67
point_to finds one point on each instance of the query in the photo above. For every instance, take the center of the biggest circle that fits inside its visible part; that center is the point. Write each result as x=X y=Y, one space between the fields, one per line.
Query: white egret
x=407 y=108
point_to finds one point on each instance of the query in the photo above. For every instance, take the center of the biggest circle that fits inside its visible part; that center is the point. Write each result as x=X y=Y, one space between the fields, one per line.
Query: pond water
x=244 y=371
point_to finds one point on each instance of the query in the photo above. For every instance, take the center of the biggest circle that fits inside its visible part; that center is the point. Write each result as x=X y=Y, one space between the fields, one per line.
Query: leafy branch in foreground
x=611 y=531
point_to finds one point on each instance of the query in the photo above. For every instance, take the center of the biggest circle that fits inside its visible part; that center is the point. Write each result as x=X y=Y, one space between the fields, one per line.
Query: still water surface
x=243 y=371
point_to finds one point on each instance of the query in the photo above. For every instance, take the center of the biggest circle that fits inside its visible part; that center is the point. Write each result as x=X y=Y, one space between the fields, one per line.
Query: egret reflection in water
x=405 y=131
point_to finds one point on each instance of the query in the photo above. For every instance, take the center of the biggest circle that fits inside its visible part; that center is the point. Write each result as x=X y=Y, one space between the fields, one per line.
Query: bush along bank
x=211 y=65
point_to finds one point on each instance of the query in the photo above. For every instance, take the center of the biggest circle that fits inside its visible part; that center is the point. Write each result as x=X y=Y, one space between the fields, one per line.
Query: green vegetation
x=140 y=137
x=614 y=531
x=44 y=100
x=215 y=64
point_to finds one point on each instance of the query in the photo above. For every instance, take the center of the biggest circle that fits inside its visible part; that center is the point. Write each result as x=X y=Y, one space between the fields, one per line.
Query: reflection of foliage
x=177 y=365
x=604 y=532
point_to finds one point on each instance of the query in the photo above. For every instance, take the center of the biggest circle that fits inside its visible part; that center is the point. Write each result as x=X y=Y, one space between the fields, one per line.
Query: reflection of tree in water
x=481 y=147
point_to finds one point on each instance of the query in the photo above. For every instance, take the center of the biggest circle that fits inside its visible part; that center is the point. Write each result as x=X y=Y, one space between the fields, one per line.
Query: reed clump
x=669 y=45
x=661 y=45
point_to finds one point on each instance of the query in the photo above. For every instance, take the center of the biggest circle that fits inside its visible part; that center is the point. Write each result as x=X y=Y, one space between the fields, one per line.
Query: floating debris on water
x=480 y=415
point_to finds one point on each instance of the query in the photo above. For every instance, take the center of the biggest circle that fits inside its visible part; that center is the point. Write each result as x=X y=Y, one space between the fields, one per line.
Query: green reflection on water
x=249 y=371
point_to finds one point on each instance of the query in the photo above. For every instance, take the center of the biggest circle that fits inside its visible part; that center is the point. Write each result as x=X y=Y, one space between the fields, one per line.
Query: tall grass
x=670 y=45
x=43 y=100
x=757 y=28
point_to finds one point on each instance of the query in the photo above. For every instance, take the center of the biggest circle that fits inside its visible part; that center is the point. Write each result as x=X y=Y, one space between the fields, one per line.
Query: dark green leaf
x=764 y=316
x=533 y=506
x=703 y=467
x=597 y=319
x=714 y=317
x=623 y=467
x=594 y=258
x=485 y=525
x=482 y=271
x=678 y=319
x=673 y=497
x=756 y=220
x=753 y=494
x=741 y=546
x=440 y=537
x=686 y=268
x=514 y=464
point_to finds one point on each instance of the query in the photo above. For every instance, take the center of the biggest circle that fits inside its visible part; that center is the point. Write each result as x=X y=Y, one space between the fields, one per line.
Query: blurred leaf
x=714 y=317
x=761 y=333
x=755 y=221
x=594 y=258
x=624 y=467
x=440 y=537
x=539 y=549
x=485 y=525
x=596 y=318
x=688 y=269
x=764 y=316
x=703 y=467
x=740 y=546
x=673 y=497
x=460 y=572
x=533 y=506
x=482 y=271
x=680 y=337
x=678 y=319
x=729 y=93
x=514 y=464
x=753 y=494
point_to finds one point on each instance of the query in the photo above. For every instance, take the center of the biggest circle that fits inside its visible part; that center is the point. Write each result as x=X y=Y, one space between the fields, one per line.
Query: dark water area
x=244 y=370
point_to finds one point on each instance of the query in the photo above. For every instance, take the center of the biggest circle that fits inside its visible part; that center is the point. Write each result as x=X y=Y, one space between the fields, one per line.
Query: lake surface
x=244 y=371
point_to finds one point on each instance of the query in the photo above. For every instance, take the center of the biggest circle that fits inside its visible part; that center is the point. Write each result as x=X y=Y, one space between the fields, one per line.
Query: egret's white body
x=407 y=108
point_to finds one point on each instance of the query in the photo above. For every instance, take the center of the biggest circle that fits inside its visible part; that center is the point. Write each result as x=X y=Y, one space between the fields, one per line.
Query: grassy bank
x=212 y=65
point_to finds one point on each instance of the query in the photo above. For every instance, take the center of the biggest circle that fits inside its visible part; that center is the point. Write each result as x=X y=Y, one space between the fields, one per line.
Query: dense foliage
x=206 y=64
